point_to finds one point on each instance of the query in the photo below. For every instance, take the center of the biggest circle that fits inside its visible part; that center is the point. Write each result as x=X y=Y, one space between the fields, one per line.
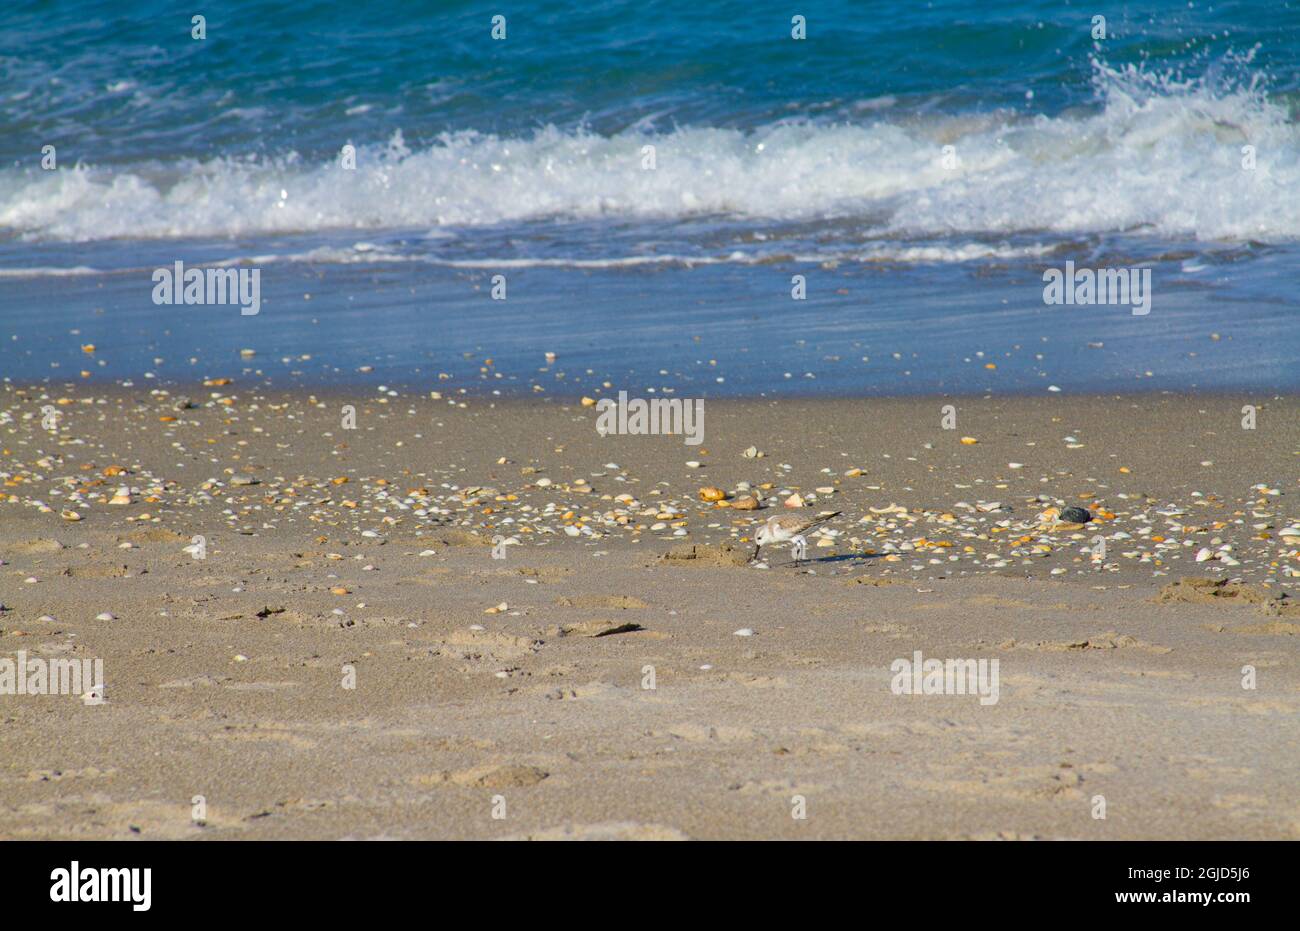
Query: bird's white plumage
x=789 y=528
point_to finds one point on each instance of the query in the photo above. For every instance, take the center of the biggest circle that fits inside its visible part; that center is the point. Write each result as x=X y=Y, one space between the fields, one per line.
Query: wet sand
x=331 y=553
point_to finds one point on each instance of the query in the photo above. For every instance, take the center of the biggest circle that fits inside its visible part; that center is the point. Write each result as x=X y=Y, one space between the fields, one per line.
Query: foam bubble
x=1156 y=155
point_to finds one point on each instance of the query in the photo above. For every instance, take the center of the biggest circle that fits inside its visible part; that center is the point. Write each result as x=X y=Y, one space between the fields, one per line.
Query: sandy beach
x=342 y=656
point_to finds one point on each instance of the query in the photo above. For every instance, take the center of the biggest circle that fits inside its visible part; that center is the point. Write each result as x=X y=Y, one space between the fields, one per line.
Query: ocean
x=665 y=196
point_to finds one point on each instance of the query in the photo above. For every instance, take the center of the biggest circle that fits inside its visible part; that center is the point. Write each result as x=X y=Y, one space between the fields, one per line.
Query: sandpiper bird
x=789 y=528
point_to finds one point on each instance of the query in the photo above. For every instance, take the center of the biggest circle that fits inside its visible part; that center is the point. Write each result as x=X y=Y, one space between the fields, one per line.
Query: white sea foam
x=366 y=254
x=50 y=271
x=1156 y=155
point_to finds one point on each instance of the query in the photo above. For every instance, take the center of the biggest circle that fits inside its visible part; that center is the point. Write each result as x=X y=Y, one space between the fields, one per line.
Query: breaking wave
x=1155 y=154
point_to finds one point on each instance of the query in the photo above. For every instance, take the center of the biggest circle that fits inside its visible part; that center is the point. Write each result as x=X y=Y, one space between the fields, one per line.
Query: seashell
x=70 y=515
x=794 y=501
x=711 y=493
x=745 y=503
x=1075 y=515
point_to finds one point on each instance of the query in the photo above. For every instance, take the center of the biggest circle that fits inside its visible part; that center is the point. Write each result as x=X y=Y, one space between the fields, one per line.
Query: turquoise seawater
x=649 y=179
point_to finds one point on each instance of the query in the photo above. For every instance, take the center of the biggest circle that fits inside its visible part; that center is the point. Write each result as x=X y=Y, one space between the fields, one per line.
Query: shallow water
x=772 y=158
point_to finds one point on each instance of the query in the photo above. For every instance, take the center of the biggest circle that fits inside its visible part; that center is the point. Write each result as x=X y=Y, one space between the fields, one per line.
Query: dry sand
x=225 y=675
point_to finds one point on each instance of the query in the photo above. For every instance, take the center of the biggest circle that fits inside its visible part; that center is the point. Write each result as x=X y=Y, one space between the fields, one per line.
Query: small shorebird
x=789 y=528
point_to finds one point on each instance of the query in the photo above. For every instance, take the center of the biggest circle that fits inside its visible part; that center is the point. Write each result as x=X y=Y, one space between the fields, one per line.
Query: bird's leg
x=757 y=547
x=798 y=549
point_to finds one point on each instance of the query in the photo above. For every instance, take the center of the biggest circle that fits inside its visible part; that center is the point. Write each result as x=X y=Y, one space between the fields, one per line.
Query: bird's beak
x=757 y=547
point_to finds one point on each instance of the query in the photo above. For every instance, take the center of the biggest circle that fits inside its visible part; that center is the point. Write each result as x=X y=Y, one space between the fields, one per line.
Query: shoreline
x=421 y=390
